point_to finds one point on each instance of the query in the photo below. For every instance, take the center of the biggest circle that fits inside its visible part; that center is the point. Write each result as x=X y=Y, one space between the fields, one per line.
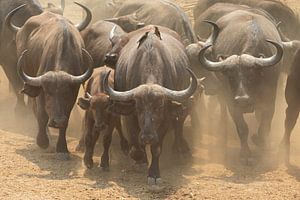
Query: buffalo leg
x=290 y=122
x=180 y=144
x=265 y=121
x=153 y=172
x=42 y=119
x=123 y=141
x=81 y=144
x=90 y=140
x=62 y=141
x=224 y=123
x=242 y=129
x=136 y=152
x=106 y=144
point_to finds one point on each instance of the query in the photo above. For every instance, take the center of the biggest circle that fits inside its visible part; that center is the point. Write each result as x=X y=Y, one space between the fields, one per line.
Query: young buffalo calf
x=99 y=117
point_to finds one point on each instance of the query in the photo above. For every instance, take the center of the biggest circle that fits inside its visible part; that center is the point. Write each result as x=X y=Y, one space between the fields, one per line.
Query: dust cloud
x=212 y=172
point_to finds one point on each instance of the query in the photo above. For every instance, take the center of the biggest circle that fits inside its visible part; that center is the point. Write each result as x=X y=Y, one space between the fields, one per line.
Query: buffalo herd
x=143 y=67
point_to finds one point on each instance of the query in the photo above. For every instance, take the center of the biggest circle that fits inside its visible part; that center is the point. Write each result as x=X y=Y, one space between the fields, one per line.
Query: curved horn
x=216 y=30
x=271 y=61
x=88 y=95
x=87 y=19
x=113 y=20
x=183 y=95
x=209 y=65
x=112 y=32
x=286 y=42
x=84 y=77
x=115 y=95
x=9 y=17
x=33 y=81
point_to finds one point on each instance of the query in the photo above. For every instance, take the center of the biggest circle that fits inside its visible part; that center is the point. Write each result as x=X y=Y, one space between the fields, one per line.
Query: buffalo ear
x=121 y=108
x=178 y=109
x=31 y=90
x=83 y=103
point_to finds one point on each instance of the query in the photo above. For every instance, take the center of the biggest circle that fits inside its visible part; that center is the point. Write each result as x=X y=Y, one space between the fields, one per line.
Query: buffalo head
x=98 y=105
x=58 y=89
x=151 y=105
x=241 y=72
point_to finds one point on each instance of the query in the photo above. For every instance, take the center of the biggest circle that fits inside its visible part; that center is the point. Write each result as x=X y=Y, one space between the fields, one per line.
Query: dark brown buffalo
x=134 y=13
x=98 y=43
x=151 y=73
x=53 y=63
x=242 y=62
x=8 y=55
x=98 y=118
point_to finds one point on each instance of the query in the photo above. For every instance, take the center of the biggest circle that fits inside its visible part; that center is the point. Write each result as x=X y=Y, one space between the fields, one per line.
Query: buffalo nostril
x=148 y=139
x=111 y=56
x=242 y=100
x=58 y=122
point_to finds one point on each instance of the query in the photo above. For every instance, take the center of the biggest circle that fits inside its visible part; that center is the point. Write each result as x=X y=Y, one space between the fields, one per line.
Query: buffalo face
x=98 y=105
x=60 y=94
x=151 y=105
x=240 y=72
x=57 y=89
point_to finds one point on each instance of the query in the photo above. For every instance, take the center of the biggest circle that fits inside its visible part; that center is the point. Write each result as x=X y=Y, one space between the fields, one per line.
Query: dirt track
x=213 y=172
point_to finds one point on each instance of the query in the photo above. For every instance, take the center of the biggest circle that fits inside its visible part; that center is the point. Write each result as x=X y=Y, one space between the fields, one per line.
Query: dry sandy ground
x=213 y=171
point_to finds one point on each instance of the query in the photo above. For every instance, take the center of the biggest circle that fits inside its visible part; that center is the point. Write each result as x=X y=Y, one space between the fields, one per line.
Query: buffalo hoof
x=63 y=156
x=124 y=146
x=155 y=184
x=154 y=181
x=88 y=162
x=80 y=148
x=42 y=141
x=105 y=168
x=104 y=163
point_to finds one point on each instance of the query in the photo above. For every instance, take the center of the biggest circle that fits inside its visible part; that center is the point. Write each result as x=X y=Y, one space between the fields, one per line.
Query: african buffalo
x=53 y=63
x=99 y=117
x=8 y=55
x=151 y=74
x=132 y=13
x=243 y=63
